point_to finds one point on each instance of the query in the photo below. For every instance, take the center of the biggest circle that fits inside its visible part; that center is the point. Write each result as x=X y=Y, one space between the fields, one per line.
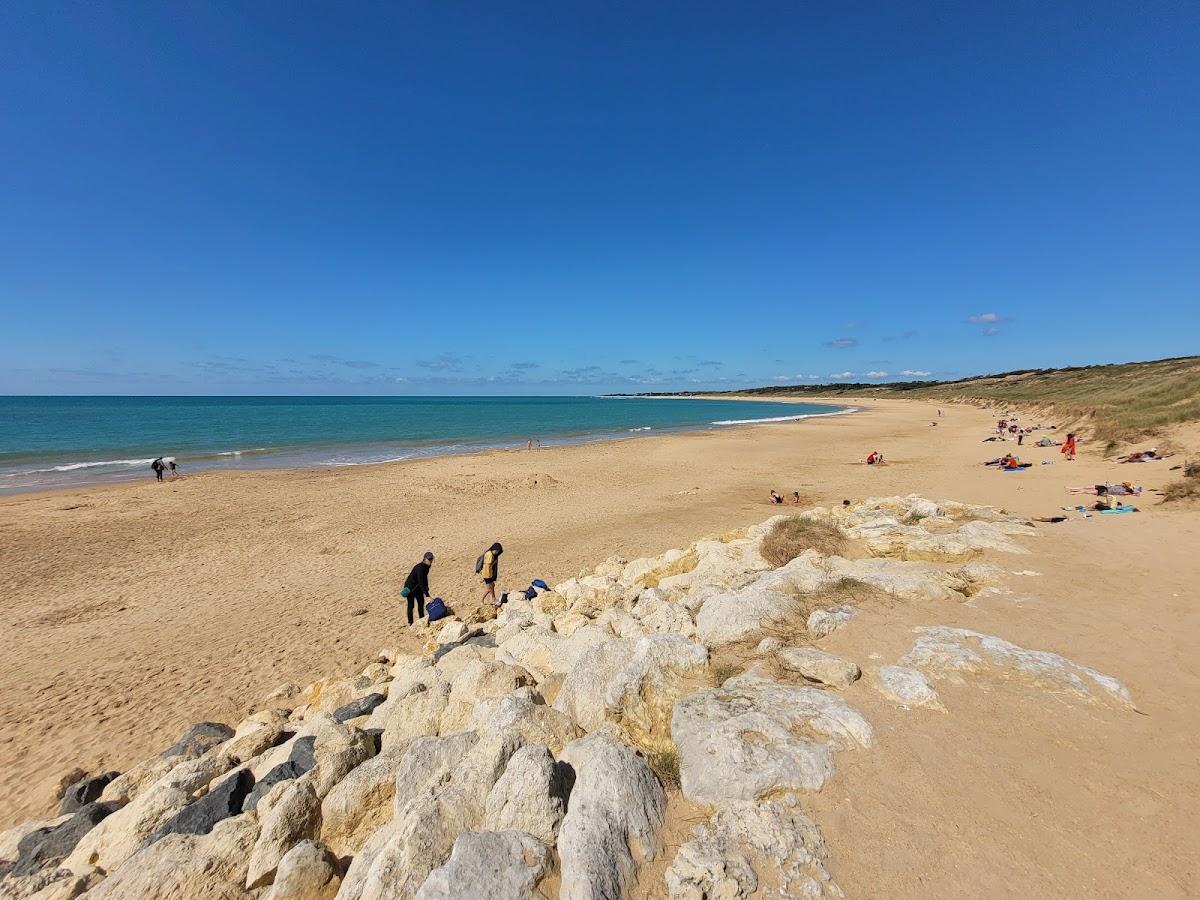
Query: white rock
x=906 y=687
x=746 y=846
x=822 y=622
x=534 y=649
x=519 y=711
x=616 y=808
x=585 y=688
x=730 y=617
x=528 y=797
x=941 y=651
x=453 y=632
x=361 y=802
x=289 y=812
x=817 y=665
x=476 y=681
x=496 y=865
x=307 y=872
x=642 y=694
x=769 y=734
x=567 y=623
x=456 y=658
x=417 y=713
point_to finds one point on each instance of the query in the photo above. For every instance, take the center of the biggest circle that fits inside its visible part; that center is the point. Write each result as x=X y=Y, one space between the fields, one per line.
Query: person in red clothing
x=1068 y=447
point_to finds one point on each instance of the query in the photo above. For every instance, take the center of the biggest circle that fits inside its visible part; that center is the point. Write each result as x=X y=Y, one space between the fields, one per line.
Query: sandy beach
x=130 y=612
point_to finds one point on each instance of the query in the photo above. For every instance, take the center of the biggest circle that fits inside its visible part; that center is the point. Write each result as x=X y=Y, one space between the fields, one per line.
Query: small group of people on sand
x=777 y=498
x=164 y=464
x=416 y=585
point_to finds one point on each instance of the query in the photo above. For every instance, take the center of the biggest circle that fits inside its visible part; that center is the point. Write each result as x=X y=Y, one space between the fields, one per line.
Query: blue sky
x=204 y=197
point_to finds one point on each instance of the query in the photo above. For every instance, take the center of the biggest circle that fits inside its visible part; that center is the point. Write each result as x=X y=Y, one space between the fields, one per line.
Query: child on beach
x=776 y=498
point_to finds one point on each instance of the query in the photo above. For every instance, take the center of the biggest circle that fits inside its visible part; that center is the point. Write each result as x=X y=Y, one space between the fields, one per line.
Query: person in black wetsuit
x=418 y=586
x=158 y=468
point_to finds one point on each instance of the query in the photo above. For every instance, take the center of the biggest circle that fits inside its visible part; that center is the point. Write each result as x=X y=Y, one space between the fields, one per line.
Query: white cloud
x=988 y=318
x=875 y=374
x=841 y=375
x=781 y=377
x=915 y=373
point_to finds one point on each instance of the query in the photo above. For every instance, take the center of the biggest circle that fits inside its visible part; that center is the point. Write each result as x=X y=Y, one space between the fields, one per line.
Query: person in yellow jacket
x=490 y=569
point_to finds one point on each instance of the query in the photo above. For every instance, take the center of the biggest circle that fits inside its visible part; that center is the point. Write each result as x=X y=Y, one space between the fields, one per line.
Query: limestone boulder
x=584 y=690
x=45 y=848
x=415 y=713
x=361 y=802
x=616 y=809
x=521 y=712
x=906 y=687
x=825 y=621
x=194 y=742
x=288 y=814
x=196 y=867
x=497 y=865
x=567 y=623
x=956 y=652
x=529 y=796
x=817 y=665
x=730 y=617
x=747 y=847
x=535 y=649
x=642 y=693
x=776 y=737
x=307 y=872
x=476 y=681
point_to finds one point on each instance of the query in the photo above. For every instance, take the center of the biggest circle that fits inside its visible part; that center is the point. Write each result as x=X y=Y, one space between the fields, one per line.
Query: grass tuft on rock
x=791 y=537
x=665 y=764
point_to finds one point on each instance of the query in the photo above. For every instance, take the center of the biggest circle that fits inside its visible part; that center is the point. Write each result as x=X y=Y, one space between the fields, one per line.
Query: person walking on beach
x=416 y=586
x=158 y=468
x=488 y=566
x=1068 y=447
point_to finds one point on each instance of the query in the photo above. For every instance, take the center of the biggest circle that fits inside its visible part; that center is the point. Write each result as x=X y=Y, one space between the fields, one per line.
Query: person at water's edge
x=158 y=468
x=491 y=571
x=418 y=586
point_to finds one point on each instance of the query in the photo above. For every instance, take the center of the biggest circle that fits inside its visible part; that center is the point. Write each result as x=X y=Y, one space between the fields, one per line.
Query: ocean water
x=67 y=441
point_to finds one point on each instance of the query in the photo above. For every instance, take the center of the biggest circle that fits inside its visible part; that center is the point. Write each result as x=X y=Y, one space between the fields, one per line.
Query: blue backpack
x=436 y=609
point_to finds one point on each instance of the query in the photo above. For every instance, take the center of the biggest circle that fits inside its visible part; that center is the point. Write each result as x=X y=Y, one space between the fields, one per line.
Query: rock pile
x=532 y=756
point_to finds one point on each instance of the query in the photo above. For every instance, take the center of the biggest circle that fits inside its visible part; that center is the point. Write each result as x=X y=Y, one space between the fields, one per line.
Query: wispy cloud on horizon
x=842 y=343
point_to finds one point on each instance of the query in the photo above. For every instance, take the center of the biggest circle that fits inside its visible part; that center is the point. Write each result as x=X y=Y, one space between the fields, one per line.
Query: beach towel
x=1021 y=468
x=1118 y=509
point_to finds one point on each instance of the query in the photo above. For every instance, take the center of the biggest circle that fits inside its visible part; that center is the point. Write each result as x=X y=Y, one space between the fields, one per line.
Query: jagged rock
x=528 y=796
x=260 y=719
x=424 y=829
x=817 y=665
x=746 y=846
x=456 y=658
x=46 y=848
x=201 y=816
x=619 y=622
x=338 y=749
x=475 y=681
x=533 y=649
x=116 y=838
x=453 y=632
x=329 y=694
x=730 y=617
x=199 y=739
x=642 y=694
x=585 y=688
x=669 y=618
x=571 y=650
x=195 y=867
x=57 y=884
x=299 y=760
x=497 y=865
x=906 y=687
x=289 y=813
x=196 y=741
x=537 y=723
x=567 y=623
x=616 y=808
x=768 y=645
x=953 y=651
x=416 y=713
x=776 y=737
x=307 y=872
x=361 y=802
x=822 y=622
x=10 y=839
x=363 y=706
x=85 y=791
x=425 y=764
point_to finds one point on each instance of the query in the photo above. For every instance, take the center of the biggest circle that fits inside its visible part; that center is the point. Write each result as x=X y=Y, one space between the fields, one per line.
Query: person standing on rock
x=488 y=566
x=416 y=586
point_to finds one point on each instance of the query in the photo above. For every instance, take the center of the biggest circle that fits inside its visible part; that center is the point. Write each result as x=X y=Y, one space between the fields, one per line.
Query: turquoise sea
x=67 y=441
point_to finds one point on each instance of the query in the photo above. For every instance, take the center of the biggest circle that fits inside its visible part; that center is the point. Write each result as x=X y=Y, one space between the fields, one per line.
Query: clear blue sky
x=292 y=197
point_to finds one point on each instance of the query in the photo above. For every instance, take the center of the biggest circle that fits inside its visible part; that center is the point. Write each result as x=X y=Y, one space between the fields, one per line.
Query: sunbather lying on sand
x=1143 y=456
x=1101 y=490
